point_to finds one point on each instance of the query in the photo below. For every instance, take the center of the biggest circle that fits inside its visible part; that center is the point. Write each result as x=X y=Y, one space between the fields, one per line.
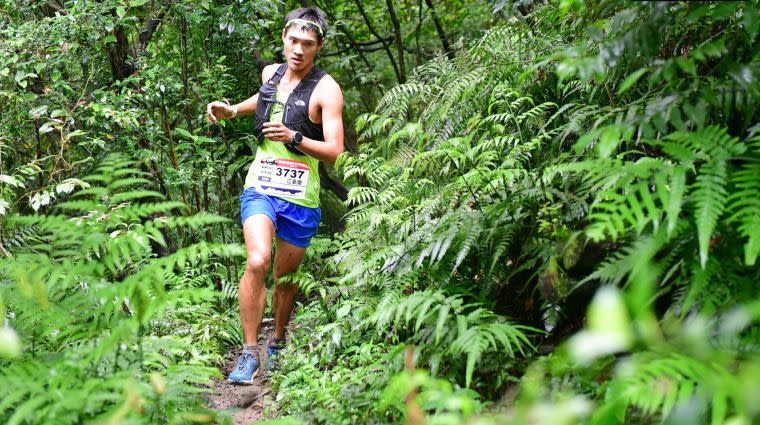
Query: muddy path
x=245 y=403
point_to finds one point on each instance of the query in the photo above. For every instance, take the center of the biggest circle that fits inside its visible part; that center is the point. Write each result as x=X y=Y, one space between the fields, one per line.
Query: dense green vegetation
x=549 y=214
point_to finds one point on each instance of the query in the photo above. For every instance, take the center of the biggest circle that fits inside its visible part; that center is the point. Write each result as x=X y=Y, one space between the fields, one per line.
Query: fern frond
x=135 y=195
x=360 y=195
x=656 y=383
x=709 y=195
x=402 y=93
x=744 y=207
x=479 y=333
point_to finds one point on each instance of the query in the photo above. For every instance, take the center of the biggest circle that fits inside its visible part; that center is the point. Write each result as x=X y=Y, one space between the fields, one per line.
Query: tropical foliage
x=554 y=220
x=110 y=330
x=499 y=189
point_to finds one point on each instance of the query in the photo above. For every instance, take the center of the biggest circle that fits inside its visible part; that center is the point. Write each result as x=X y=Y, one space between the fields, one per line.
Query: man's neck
x=291 y=75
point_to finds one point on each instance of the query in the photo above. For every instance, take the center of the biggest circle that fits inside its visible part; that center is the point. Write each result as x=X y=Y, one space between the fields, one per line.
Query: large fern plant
x=107 y=319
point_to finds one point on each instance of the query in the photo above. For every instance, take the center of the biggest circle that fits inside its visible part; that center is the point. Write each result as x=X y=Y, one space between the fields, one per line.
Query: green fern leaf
x=744 y=207
x=709 y=195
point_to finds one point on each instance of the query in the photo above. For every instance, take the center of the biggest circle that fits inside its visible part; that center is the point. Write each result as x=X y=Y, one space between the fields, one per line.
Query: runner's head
x=303 y=36
x=310 y=19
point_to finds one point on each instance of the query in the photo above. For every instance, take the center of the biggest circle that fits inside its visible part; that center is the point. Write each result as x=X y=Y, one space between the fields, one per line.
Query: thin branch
x=374 y=42
x=399 y=42
x=387 y=49
x=350 y=39
x=439 y=29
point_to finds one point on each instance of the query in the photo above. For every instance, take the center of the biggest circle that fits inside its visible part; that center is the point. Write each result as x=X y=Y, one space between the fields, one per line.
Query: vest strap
x=308 y=83
x=279 y=73
x=296 y=114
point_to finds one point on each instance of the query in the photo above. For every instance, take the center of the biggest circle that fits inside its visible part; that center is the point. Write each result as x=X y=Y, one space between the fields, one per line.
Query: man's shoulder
x=269 y=71
x=327 y=85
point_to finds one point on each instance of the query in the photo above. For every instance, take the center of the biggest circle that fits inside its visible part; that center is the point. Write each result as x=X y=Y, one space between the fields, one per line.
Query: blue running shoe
x=275 y=345
x=246 y=369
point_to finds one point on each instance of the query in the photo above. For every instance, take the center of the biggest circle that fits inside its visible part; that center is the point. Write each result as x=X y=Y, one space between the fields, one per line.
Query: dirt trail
x=245 y=403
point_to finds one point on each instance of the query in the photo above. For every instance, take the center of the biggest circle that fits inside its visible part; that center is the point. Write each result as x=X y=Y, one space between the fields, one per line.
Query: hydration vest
x=296 y=109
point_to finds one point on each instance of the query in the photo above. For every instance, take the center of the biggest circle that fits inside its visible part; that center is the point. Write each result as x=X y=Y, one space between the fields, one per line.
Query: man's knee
x=277 y=273
x=257 y=263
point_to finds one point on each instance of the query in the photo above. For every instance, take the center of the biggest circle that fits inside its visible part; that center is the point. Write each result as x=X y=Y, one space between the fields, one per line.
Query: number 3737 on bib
x=283 y=177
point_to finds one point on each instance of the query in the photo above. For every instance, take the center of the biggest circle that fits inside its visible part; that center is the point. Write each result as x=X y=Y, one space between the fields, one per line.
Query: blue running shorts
x=293 y=223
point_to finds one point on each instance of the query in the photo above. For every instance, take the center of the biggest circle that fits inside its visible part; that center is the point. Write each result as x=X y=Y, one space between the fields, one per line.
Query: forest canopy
x=548 y=212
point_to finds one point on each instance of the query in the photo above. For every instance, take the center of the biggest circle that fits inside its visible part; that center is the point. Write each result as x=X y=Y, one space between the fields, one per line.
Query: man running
x=298 y=121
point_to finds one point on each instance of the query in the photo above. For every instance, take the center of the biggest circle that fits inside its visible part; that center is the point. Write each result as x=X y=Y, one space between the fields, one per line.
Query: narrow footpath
x=245 y=403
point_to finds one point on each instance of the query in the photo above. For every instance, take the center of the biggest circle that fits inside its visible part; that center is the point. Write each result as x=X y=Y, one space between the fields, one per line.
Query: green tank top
x=278 y=172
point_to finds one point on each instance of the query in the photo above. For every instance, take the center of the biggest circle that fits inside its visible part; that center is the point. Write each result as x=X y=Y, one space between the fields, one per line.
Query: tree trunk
x=173 y=152
x=118 y=53
x=185 y=72
x=330 y=184
x=439 y=28
x=206 y=205
x=150 y=26
x=418 y=51
x=399 y=42
x=36 y=126
x=118 y=56
x=350 y=138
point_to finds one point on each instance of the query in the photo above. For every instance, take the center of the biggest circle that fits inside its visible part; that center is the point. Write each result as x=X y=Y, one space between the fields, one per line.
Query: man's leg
x=258 y=230
x=287 y=258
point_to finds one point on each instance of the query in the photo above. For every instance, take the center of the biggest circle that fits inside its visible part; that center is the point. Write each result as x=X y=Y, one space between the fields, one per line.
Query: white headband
x=305 y=22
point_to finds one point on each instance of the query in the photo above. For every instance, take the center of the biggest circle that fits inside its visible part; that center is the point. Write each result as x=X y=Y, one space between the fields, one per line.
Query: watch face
x=298 y=137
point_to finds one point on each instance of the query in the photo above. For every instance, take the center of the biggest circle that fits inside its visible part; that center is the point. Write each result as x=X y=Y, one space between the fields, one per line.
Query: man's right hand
x=216 y=110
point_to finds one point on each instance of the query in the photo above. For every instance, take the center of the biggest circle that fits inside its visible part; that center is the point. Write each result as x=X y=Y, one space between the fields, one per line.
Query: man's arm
x=224 y=110
x=330 y=99
x=248 y=106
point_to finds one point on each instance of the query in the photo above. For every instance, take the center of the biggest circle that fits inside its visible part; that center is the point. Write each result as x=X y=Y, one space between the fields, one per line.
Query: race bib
x=283 y=177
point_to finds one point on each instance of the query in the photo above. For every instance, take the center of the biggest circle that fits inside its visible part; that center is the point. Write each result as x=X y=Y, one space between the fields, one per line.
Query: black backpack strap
x=311 y=80
x=278 y=74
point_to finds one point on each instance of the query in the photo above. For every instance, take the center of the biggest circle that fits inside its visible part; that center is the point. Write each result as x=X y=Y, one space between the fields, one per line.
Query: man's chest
x=299 y=104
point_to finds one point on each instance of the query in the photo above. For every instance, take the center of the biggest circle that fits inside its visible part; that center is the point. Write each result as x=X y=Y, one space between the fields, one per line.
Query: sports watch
x=297 y=138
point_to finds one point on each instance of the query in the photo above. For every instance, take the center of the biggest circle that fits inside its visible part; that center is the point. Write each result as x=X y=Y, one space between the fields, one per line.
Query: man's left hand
x=277 y=132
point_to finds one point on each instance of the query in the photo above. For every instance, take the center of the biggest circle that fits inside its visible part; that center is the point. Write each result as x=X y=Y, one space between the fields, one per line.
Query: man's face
x=300 y=47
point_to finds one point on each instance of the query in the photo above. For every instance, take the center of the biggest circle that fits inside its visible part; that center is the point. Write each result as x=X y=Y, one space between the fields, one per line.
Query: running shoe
x=273 y=351
x=246 y=369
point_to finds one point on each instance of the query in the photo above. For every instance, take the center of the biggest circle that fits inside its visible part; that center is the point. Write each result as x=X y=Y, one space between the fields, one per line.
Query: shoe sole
x=244 y=382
